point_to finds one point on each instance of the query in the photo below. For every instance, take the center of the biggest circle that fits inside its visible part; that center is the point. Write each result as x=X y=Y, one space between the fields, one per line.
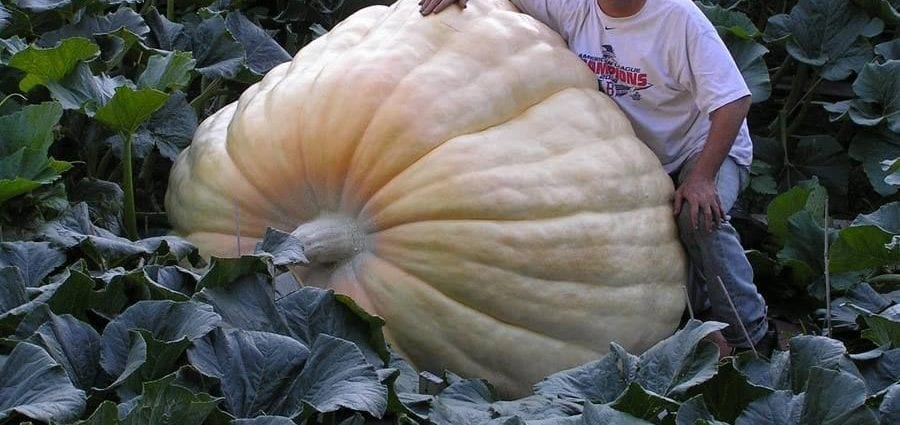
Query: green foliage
x=101 y=329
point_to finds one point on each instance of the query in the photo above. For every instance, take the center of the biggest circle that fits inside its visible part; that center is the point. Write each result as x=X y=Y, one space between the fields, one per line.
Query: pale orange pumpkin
x=459 y=175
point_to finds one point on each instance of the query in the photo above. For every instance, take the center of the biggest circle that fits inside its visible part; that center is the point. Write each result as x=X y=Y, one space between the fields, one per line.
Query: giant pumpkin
x=459 y=175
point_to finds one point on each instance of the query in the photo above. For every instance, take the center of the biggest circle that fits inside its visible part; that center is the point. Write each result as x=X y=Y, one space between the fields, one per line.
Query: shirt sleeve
x=711 y=74
x=559 y=15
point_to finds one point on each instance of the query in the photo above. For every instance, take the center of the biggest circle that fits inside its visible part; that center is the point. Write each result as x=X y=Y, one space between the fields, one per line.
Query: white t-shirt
x=665 y=66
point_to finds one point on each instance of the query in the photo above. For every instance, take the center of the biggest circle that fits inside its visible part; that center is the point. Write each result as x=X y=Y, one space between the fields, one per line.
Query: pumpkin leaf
x=599 y=381
x=605 y=414
x=778 y=408
x=129 y=108
x=37 y=387
x=679 y=362
x=34 y=260
x=694 y=410
x=74 y=345
x=889 y=50
x=872 y=146
x=869 y=241
x=824 y=34
x=165 y=35
x=169 y=130
x=284 y=248
x=463 y=401
x=24 y=145
x=148 y=337
x=884 y=328
x=311 y=312
x=217 y=52
x=808 y=352
x=247 y=303
x=73 y=228
x=748 y=55
x=887 y=10
x=262 y=52
x=731 y=390
x=644 y=404
x=42 y=65
x=890 y=406
x=807 y=195
x=82 y=90
x=835 y=397
x=878 y=100
x=104 y=200
x=163 y=402
x=336 y=376
x=169 y=71
x=255 y=369
x=881 y=370
x=729 y=21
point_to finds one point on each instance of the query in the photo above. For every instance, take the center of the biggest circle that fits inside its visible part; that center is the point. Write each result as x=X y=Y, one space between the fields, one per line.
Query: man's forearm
x=725 y=123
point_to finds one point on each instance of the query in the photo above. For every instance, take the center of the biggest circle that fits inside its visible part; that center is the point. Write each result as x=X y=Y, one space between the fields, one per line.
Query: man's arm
x=427 y=7
x=699 y=188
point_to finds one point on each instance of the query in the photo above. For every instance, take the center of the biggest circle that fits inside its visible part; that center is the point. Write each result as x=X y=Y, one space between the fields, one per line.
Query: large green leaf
x=42 y=5
x=878 y=97
x=217 y=53
x=728 y=21
x=24 y=143
x=42 y=65
x=34 y=385
x=884 y=329
x=824 y=34
x=71 y=295
x=729 y=392
x=872 y=146
x=674 y=365
x=807 y=195
x=90 y=26
x=337 y=375
x=75 y=345
x=169 y=71
x=869 y=242
x=881 y=371
x=82 y=90
x=146 y=326
x=129 y=108
x=887 y=10
x=255 y=369
x=74 y=228
x=808 y=352
x=4 y=18
x=694 y=410
x=463 y=402
x=834 y=397
x=283 y=247
x=34 y=260
x=890 y=406
x=599 y=381
x=803 y=251
x=604 y=414
x=12 y=290
x=778 y=408
x=165 y=35
x=165 y=403
x=748 y=55
x=169 y=130
x=311 y=312
x=823 y=157
x=642 y=404
x=104 y=200
x=889 y=50
x=262 y=52
x=248 y=303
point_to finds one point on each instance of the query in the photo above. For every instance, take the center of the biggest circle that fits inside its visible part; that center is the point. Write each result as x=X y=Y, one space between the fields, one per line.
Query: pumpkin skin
x=459 y=175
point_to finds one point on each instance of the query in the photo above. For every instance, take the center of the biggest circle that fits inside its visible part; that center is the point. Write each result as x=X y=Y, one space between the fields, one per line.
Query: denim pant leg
x=719 y=253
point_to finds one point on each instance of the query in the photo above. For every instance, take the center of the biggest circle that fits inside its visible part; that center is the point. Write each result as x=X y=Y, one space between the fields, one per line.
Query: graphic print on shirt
x=615 y=79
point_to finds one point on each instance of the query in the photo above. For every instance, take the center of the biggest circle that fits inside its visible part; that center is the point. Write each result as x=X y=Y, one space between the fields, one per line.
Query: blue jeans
x=719 y=253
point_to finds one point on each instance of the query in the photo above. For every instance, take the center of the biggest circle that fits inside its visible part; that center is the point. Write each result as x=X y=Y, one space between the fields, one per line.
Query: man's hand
x=700 y=195
x=427 y=7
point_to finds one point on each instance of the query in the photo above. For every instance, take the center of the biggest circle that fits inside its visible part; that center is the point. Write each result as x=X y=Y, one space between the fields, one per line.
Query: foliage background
x=97 y=98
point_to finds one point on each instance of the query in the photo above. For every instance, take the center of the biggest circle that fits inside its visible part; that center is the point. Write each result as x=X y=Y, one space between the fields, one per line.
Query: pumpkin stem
x=330 y=238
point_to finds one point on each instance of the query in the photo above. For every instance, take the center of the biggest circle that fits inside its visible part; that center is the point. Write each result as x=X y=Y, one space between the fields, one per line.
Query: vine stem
x=170 y=10
x=128 y=183
x=207 y=92
x=827 y=277
x=782 y=118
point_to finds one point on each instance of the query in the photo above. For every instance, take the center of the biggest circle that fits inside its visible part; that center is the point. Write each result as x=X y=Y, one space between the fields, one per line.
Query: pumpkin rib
x=501 y=376
x=411 y=73
x=473 y=309
x=437 y=146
